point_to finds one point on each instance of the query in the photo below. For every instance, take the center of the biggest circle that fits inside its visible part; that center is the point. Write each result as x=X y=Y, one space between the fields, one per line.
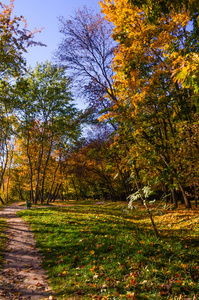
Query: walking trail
x=22 y=276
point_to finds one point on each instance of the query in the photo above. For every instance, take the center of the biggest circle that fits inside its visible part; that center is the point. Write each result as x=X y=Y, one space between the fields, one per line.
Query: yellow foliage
x=147 y=96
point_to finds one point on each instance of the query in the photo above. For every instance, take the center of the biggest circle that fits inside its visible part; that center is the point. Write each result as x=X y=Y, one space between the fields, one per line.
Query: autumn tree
x=6 y=153
x=15 y=38
x=47 y=118
x=87 y=50
x=185 y=67
x=155 y=8
x=94 y=169
x=159 y=113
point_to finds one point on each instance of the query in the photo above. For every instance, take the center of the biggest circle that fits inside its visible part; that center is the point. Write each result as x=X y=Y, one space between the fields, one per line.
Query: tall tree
x=47 y=119
x=158 y=112
x=15 y=38
x=87 y=51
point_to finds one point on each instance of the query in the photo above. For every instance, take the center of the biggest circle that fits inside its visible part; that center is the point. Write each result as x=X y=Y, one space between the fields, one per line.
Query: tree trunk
x=75 y=188
x=3 y=167
x=56 y=193
x=31 y=171
x=44 y=171
x=8 y=180
x=174 y=198
x=51 y=196
x=50 y=192
x=38 y=172
x=144 y=201
x=186 y=200
x=109 y=184
x=195 y=195
x=2 y=200
x=20 y=194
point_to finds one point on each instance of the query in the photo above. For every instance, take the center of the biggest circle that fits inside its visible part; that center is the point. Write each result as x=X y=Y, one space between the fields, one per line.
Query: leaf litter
x=22 y=276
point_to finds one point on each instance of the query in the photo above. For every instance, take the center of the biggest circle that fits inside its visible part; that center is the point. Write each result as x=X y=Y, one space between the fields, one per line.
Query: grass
x=104 y=252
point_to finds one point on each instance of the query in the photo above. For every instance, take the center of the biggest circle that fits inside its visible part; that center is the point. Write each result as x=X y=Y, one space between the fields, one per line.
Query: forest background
x=136 y=67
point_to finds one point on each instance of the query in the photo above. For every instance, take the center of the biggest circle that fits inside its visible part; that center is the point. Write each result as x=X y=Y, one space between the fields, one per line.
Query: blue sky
x=45 y=13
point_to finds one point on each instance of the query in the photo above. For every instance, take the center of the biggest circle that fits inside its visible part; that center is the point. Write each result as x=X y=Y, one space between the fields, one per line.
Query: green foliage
x=157 y=115
x=188 y=73
x=15 y=38
x=155 y=8
x=48 y=127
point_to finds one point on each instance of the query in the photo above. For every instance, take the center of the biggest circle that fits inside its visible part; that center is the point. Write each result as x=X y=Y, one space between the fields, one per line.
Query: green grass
x=101 y=252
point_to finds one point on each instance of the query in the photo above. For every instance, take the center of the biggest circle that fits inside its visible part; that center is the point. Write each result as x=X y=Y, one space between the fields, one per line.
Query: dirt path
x=22 y=276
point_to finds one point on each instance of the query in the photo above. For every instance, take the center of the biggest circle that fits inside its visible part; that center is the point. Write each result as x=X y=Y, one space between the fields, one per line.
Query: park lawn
x=106 y=252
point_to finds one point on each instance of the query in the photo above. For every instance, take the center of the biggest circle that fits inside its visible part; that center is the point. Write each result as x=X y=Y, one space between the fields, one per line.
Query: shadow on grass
x=70 y=241
x=127 y=214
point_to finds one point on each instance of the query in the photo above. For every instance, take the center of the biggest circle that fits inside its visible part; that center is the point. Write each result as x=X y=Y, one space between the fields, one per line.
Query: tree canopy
x=137 y=69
